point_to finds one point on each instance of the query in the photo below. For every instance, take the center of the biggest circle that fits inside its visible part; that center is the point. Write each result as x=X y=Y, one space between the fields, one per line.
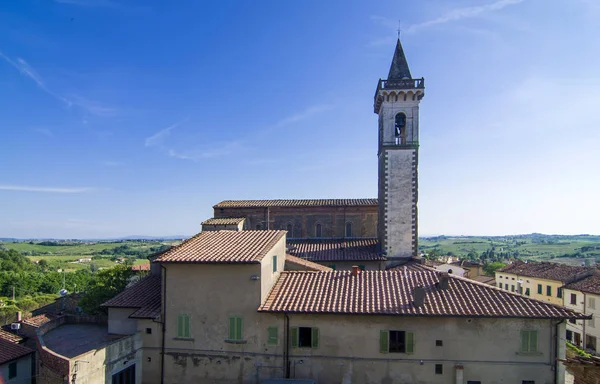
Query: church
x=330 y=291
x=371 y=233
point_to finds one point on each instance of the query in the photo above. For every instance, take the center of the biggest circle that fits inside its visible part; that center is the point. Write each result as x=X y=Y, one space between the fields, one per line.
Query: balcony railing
x=397 y=84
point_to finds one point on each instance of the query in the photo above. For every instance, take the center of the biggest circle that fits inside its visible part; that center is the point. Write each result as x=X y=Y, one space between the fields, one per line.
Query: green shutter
x=533 y=341
x=540 y=289
x=231 y=328
x=361 y=267
x=272 y=335
x=294 y=337
x=524 y=341
x=186 y=326
x=315 y=337
x=179 y=325
x=238 y=328
x=410 y=343
x=274 y=264
x=384 y=340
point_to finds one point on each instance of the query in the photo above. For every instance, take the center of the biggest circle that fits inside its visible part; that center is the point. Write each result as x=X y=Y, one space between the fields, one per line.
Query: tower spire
x=399 y=69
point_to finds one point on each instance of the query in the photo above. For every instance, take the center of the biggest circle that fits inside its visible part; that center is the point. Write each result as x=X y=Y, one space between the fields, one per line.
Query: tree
x=491 y=268
x=103 y=286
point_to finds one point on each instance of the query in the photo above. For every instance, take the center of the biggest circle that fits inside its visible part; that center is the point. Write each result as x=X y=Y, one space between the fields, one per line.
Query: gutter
x=164 y=322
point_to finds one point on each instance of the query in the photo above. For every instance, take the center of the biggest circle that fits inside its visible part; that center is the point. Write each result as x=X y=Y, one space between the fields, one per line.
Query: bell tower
x=397 y=101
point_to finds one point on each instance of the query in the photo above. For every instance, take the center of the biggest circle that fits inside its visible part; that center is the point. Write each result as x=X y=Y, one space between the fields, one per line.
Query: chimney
x=443 y=281
x=19 y=317
x=418 y=296
x=355 y=270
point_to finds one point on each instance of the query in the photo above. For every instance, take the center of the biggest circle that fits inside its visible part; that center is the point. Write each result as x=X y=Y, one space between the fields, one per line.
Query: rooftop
x=335 y=250
x=36 y=321
x=390 y=293
x=222 y=247
x=298 y=263
x=70 y=340
x=590 y=284
x=10 y=350
x=10 y=336
x=295 y=203
x=223 y=221
x=549 y=271
x=144 y=295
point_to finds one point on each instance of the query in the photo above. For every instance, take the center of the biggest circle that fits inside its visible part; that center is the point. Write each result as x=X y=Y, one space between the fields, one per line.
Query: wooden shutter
x=273 y=336
x=315 y=337
x=524 y=341
x=231 y=328
x=238 y=328
x=180 y=326
x=533 y=341
x=294 y=337
x=410 y=342
x=384 y=341
x=186 y=326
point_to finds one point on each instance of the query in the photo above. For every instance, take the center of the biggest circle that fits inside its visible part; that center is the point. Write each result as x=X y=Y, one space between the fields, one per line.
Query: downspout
x=583 y=338
x=164 y=322
x=556 y=341
x=286 y=347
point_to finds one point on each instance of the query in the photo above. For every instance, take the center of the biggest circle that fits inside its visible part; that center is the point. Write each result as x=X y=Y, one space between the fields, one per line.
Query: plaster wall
x=24 y=368
x=532 y=283
x=119 y=322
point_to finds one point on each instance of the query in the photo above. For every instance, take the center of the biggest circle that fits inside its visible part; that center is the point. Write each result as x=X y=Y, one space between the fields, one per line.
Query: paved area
x=72 y=340
x=569 y=379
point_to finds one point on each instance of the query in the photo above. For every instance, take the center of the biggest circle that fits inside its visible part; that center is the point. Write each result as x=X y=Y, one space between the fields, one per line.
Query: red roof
x=140 y=267
x=306 y=265
x=144 y=295
x=335 y=249
x=295 y=203
x=390 y=293
x=36 y=321
x=10 y=336
x=10 y=351
x=549 y=271
x=590 y=284
x=223 y=247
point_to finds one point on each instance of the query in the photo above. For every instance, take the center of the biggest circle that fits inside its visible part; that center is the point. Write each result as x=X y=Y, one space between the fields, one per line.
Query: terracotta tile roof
x=390 y=293
x=590 y=284
x=36 y=321
x=224 y=221
x=223 y=247
x=335 y=250
x=10 y=351
x=140 y=267
x=295 y=203
x=301 y=264
x=144 y=295
x=549 y=271
x=485 y=279
x=10 y=336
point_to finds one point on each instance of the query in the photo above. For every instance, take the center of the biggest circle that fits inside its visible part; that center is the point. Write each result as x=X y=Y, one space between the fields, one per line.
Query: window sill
x=529 y=353
x=236 y=341
x=184 y=338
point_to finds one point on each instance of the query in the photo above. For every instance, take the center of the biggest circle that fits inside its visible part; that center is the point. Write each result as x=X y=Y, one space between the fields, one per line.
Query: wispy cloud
x=159 y=137
x=44 y=131
x=109 y=163
x=25 y=188
x=214 y=151
x=89 y=3
x=303 y=115
x=462 y=13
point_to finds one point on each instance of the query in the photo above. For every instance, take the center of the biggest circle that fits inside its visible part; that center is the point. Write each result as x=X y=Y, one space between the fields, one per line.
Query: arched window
x=290 y=230
x=348 y=229
x=400 y=128
x=318 y=230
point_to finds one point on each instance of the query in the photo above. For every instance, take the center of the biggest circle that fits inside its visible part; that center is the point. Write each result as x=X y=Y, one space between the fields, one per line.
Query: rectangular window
x=149 y=331
x=274 y=264
x=592 y=322
x=559 y=293
x=506 y=286
x=304 y=337
x=572 y=321
x=591 y=303
x=439 y=369
x=573 y=298
x=396 y=342
x=235 y=328
x=126 y=376
x=527 y=292
x=512 y=288
x=500 y=285
x=529 y=341
x=439 y=343
x=539 y=289
x=569 y=336
x=183 y=326
x=12 y=370
x=273 y=336
x=548 y=290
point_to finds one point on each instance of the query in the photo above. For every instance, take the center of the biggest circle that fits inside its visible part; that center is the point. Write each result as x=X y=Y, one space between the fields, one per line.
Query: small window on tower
x=400 y=128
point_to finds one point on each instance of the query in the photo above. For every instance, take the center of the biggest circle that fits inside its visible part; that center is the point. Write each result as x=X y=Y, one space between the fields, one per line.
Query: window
x=149 y=331
x=592 y=322
x=396 y=342
x=512 y=288
x=513 y=278
x=539 y=289
x=506 y=286
x=548 y=290
x=439 y=369
x=273 y=336
x=183 y=326
x=572 y=321
x=318 y=230
x=304 y=337
x=573 y=298
x=559 y=293
x=590 y=342
x=348 y=229
x=527 y=292
x=527 y=382
x=235 y=328
x=500 y=285
x=12 y=370
x=332 y=266
x=528 y=341
x=439 y=343
x=591 y=303
x=274 y=264
x=569 y=335
x=126 y=376
x=399 y=128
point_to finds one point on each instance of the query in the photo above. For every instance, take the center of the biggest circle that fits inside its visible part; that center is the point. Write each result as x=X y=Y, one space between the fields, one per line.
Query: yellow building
x=542 y=281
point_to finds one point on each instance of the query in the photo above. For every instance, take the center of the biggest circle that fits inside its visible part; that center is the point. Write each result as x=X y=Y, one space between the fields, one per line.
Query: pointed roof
x=399 y=68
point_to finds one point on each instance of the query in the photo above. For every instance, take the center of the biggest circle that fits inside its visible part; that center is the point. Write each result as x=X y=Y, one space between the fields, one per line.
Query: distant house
x=16 y=360
x=584 y=296
x=84 y=260
x=140 y=267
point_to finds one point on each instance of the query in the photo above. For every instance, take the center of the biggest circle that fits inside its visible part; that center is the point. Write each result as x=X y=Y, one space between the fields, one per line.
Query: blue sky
x=122 y=117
